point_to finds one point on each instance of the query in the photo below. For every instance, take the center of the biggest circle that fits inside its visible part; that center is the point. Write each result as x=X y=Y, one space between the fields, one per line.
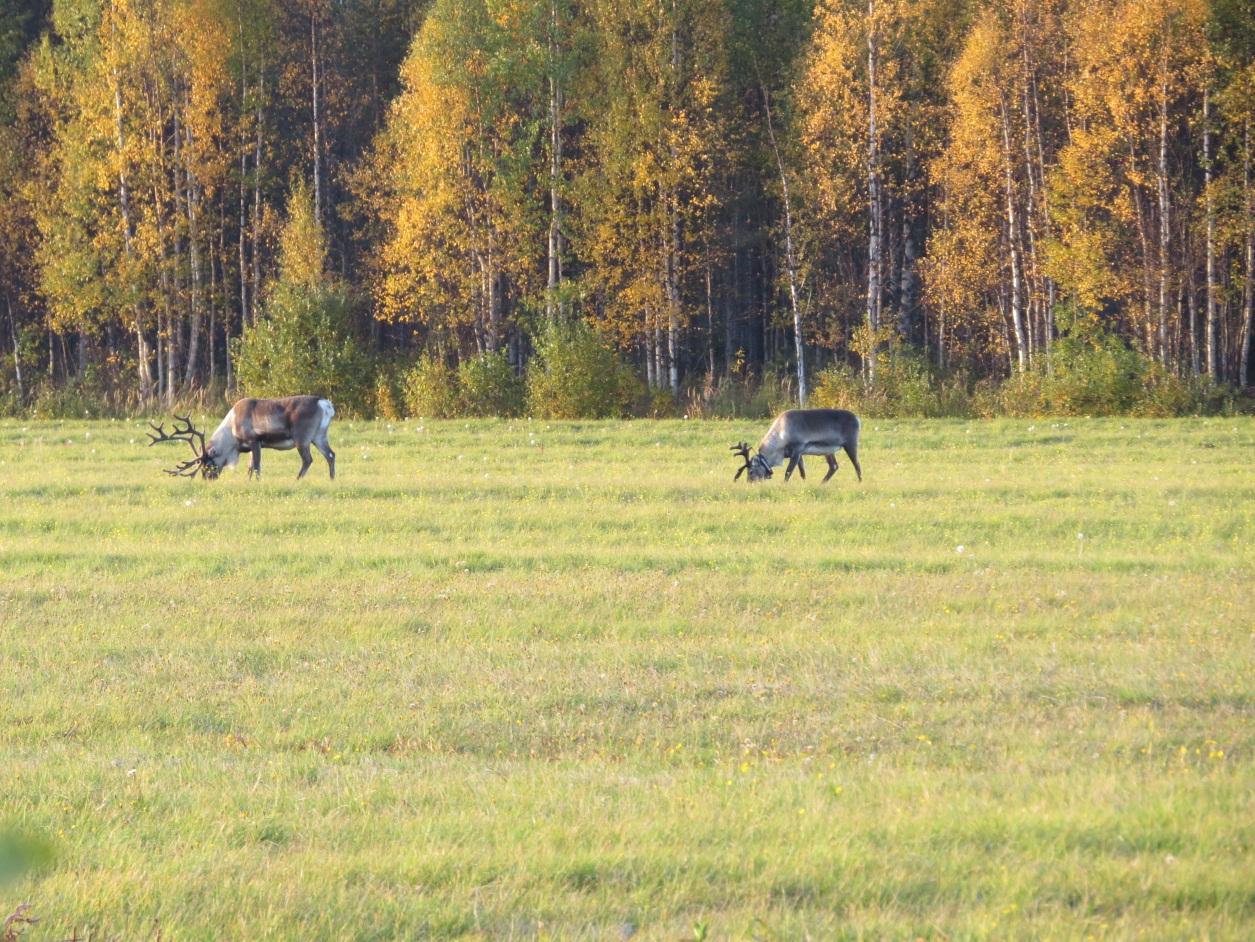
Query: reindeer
x=799 y=432
x=251 y=425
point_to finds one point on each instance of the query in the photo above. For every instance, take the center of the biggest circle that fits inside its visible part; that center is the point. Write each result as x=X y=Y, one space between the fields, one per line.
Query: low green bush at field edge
x=578 y=375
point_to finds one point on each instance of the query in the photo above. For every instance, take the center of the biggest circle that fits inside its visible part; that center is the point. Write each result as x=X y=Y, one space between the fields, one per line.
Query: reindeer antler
x=742 y=449
x=188 y=433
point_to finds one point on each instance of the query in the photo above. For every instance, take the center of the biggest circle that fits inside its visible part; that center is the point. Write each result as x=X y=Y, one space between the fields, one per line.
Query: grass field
x=544 y=680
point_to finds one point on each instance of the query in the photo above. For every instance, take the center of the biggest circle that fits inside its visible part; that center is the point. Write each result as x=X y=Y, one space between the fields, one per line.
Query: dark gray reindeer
x=251 y=425
x=799 y=432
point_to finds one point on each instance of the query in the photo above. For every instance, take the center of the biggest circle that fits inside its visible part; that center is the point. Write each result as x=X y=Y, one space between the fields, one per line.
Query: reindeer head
x=758 y=469
x=201 y=462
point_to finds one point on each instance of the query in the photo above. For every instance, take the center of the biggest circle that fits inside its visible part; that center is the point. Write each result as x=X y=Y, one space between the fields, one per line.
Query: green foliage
x=303 y=342
x=577 y=375
x=742 y=397
x=303 y=345
x=659 y=403
x=389 y=399
x=483 y=386
x=488 y=386
x=430 y=388
x=1091 y=371
x=906 y=386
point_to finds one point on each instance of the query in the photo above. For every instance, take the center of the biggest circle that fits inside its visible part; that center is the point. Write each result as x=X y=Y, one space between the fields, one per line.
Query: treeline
x=987 y=203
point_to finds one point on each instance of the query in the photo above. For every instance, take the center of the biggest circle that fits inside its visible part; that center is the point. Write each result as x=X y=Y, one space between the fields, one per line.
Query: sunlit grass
x=567 y=680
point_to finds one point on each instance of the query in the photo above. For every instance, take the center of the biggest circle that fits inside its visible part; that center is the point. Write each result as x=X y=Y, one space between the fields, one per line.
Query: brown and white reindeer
x=251 y=425
x=799 y=432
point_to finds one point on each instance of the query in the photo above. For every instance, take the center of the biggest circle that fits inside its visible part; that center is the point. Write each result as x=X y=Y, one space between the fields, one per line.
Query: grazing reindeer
x=251 y=425
x=801 y=432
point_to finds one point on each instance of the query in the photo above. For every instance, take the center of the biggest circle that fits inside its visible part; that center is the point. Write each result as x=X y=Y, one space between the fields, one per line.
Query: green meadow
x=529 y=680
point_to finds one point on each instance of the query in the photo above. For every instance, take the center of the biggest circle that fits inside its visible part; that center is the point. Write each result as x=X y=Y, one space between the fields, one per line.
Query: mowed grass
x=512 y=679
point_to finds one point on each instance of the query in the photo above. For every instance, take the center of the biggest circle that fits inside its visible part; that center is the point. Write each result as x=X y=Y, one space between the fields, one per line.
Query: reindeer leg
x=801 y=468
x=852 y=451
x=306 y=460
x=832 y=467
x=788 y=472
x=325 y=447
x=255 y=466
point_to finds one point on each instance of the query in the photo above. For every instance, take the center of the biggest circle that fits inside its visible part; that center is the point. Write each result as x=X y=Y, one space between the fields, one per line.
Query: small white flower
x=1080 y=536
x=188 y=502
x=960 y=549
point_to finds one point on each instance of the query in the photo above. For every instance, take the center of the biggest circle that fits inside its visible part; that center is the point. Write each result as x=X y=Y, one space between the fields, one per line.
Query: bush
x=906 y=386
x=302 y=344
x=1022 y=395
x=1092 y=373
x=488 y=386
x=389 y=398
x=742 y=397
x=431 y=389
x=576 y=375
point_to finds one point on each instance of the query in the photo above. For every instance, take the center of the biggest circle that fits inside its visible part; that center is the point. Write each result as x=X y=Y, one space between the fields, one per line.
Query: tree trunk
x=255 y=296
x=313 y=59
x=710 y=320
x=1013 y=239
x=907 y=293
x=124 y=201
x=17 y=357
x=790 y=255
x=193 y=238
x=1164 y=231
x=243 y=178
x=1144 y=239
x=555 y=167
x=1049 y=312
x=673 y=230
x=1248 y=289
x=875 y=209
x=1191 y=306
x=1211 y=239
x=650 y=375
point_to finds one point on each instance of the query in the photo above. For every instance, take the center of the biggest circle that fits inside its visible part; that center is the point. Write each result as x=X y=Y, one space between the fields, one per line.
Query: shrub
x=488 y=386
x=303 y=342
x=576 y=375
x=431 y=388
x=906 y=386
x=1022 y=395
x=1091 y=372
x=659 y=403
x=389 y=397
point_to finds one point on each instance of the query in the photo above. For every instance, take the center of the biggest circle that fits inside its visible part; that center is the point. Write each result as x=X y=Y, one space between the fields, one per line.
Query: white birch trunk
x=1211 y=239
x=1164 y=220
x=874 y=201
x=790 y=256
x=1013 y=241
